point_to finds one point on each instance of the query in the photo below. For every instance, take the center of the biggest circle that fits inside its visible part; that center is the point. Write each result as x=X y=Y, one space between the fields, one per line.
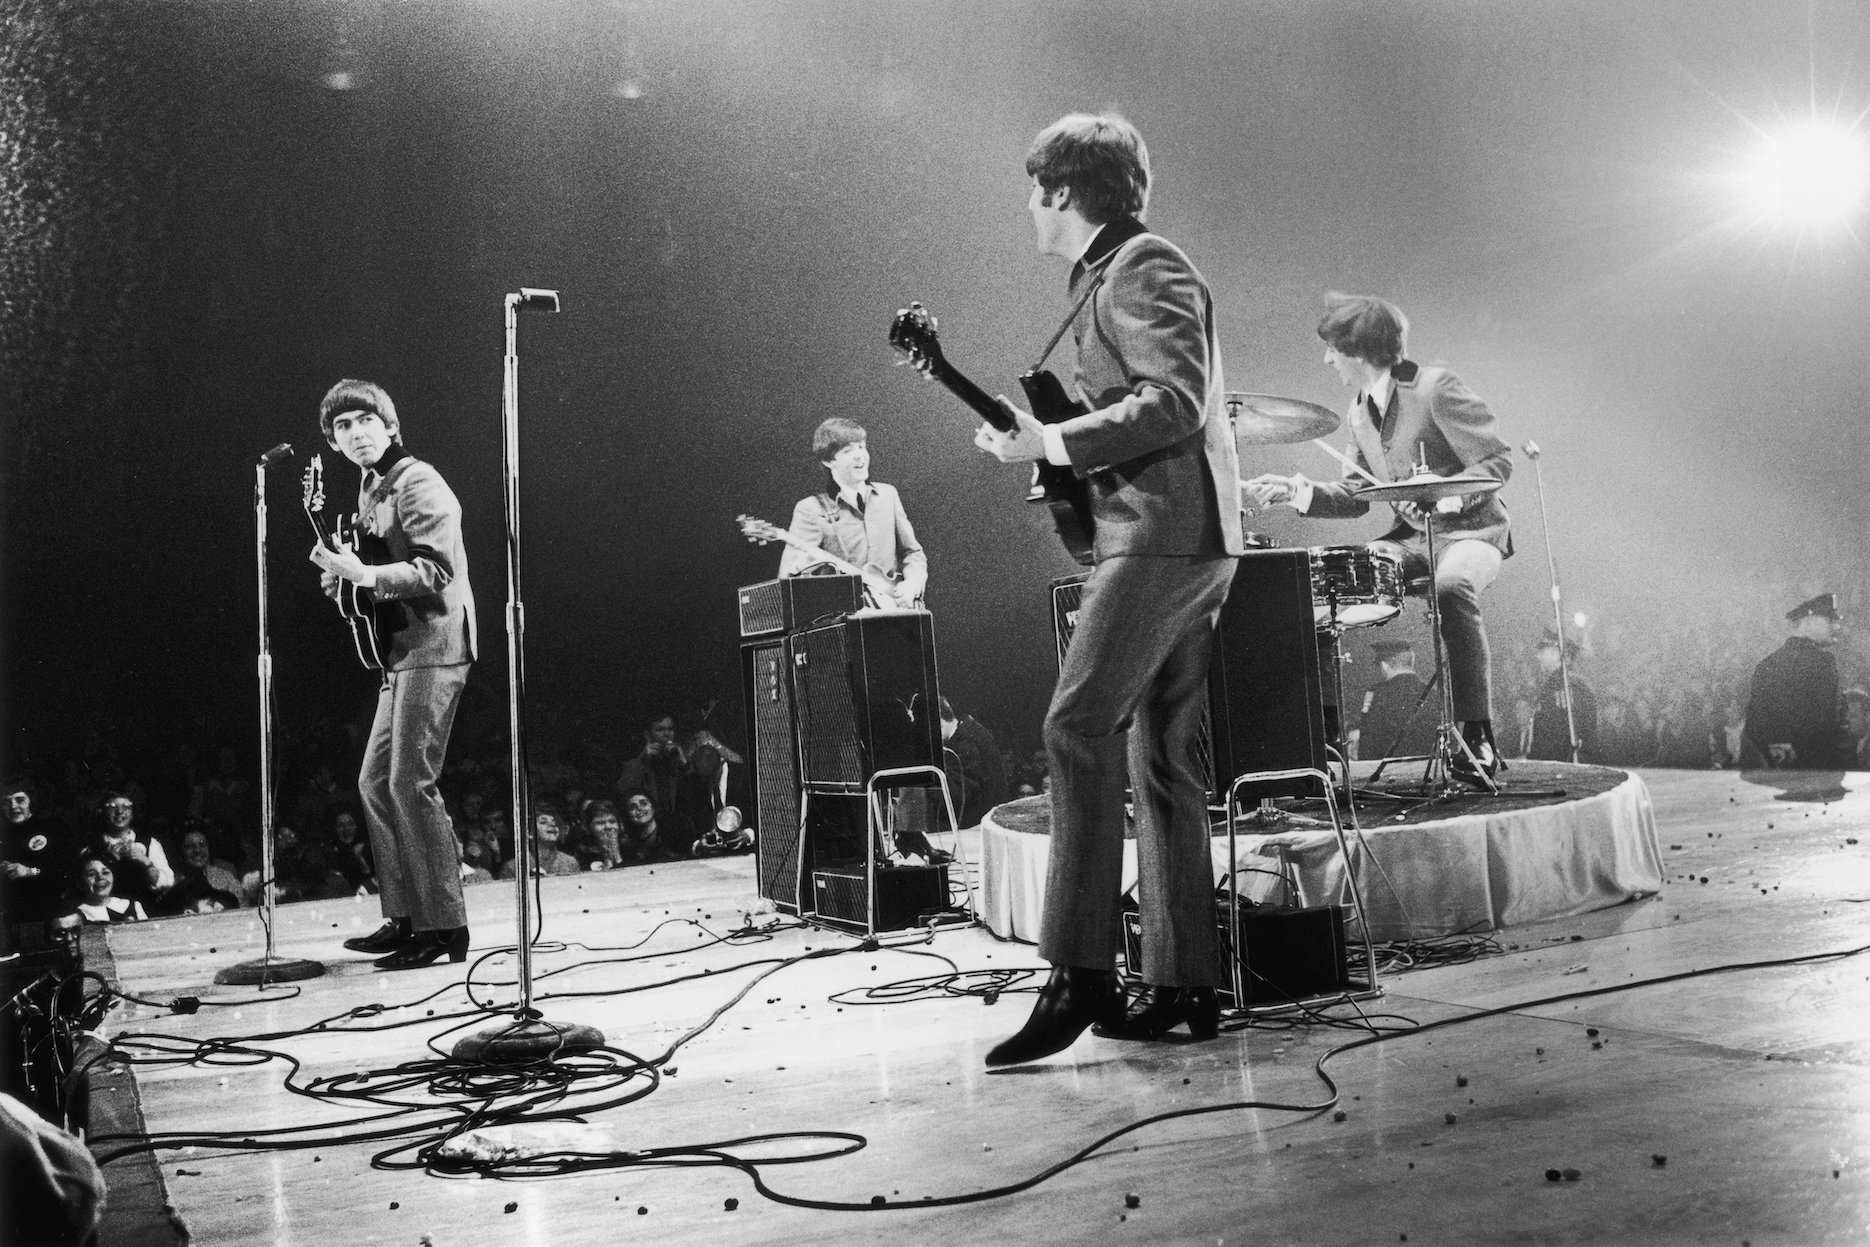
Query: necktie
x=1376 y=417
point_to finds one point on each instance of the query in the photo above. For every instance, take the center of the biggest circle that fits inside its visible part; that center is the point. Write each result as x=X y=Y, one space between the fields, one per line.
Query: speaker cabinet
x=867 y=698
x=904 y=895
x=795 y=602
x=766 y=676
x=1265 y=709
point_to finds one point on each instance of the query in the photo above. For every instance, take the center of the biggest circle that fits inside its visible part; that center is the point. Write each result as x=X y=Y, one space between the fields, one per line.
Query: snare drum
x=1365 y=584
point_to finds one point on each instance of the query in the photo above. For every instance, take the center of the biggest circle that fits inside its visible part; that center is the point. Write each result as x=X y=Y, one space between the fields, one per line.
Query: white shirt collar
x=1380 y=390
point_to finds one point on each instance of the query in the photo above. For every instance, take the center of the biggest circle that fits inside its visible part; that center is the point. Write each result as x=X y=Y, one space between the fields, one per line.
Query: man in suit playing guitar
x=856 y=519
x=405 y=506
x=1155 y=448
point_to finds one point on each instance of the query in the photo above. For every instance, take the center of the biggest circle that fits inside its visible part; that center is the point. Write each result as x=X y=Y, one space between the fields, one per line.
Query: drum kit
x=1356 y=586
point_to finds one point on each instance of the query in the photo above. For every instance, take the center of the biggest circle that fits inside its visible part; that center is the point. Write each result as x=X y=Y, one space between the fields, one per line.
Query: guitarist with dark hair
x=857 y=520
x=1153 y=446
x=408 y=512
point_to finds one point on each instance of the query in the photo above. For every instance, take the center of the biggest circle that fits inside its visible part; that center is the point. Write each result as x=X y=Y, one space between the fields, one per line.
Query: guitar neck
x=983 y=404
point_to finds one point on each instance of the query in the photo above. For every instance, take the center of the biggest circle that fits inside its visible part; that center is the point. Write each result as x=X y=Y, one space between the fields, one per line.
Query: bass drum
x=1366 y=586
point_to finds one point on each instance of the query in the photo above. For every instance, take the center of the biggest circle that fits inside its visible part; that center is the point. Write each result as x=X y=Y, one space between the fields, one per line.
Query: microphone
x=281 y=451
x=1531 y=448
x=530 y=300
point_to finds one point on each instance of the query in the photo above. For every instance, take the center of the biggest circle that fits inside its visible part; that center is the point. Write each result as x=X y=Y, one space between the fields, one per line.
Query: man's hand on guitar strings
x=1023 y=445
x=344 y=563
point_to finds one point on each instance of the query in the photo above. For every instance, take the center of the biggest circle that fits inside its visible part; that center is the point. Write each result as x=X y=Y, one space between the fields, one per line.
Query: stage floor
x=1754 y=1084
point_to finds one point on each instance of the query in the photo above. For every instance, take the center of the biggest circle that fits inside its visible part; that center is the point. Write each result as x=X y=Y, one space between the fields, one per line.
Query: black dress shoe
x=1471 y=774
x=1158 y=1010
x=389 y=937
x=427 y=947
x=1072 y=999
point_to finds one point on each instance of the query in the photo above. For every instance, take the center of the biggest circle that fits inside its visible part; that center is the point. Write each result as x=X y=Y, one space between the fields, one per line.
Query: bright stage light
x=1811 y=175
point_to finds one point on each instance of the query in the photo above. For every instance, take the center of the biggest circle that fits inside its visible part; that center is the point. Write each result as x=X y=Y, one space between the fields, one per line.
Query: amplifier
x=1285 y=954
x=766 y=683
x=904 y=894
x=1265 y=690
x=796 y=602
x=867 y=699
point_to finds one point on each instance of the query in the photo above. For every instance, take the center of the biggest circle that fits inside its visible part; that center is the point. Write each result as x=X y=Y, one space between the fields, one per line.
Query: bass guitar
x=1066 y=495
x=372 y=622
x=879 y=586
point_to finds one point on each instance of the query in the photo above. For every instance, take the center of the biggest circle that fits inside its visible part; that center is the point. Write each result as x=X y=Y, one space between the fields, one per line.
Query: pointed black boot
x=1072 y=999
x=426 y=948
x=1158 y=1010
x=392 y=935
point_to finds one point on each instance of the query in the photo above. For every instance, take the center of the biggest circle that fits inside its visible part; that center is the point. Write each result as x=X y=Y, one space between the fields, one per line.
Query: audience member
x=97 y=902
x=349 y=850
x=38 y=859
x=550 y=830
x=716 y=779
x=202 y=884
x=645 y=838
x=595 y=841
x=138 y=861
x=972 y=762
x=658 y=769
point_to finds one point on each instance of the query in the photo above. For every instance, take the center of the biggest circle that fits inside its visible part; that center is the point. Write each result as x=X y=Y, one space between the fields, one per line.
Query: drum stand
x=1438 y=782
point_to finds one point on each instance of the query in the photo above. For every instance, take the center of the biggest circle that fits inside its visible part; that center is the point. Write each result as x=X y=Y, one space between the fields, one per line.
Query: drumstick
x=1344 y=459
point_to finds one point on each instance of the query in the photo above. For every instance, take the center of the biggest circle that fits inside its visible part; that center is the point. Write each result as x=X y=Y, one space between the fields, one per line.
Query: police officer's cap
x=1824 y=604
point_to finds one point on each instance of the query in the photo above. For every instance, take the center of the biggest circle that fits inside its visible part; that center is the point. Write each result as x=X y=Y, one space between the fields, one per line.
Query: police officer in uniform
x=1793 y=715
x=1551 y=733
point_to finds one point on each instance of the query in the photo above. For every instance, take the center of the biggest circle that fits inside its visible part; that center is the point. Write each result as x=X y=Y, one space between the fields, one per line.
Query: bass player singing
x=856 y=519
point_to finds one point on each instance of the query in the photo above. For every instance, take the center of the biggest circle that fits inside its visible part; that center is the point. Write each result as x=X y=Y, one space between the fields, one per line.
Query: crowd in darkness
x=128 y=825
x=1672 y=690
x=131 y=825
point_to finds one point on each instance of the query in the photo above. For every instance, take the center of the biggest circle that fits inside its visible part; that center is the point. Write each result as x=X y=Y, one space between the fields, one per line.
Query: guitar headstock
x=758 y=530
x=913 y=333
x=315 y=485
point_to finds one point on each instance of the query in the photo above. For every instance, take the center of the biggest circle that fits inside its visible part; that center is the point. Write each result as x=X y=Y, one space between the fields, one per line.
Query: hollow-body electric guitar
x=1064 y=493
x=371 y=621
x=879 y=586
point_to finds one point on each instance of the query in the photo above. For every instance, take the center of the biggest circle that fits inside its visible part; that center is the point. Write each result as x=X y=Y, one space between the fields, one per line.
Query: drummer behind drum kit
x=1355 y=586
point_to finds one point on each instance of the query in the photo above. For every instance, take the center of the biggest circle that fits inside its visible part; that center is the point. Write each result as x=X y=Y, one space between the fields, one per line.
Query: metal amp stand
x=876 y=828
x=1237 y=961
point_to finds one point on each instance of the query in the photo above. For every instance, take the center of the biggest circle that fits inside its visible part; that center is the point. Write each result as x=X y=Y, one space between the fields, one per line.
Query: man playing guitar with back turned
x=856 y=519
x=1155 y=447
x=408 y=508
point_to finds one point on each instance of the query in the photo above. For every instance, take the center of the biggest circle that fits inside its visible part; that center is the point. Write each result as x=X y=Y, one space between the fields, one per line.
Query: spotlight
x=1810 y=175
x=1578 y=621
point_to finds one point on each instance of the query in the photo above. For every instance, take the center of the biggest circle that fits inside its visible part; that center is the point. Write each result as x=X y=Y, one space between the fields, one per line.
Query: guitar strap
x=1098 y=272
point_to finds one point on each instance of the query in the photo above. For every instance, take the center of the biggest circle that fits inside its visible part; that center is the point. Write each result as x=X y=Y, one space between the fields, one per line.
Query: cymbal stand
x=1437 y=773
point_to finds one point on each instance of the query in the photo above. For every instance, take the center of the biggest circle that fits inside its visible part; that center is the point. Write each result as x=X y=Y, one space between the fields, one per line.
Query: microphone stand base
x=266 y=970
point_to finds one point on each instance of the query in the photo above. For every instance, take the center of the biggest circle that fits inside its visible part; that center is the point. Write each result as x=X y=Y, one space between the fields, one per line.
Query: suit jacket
x=1431 y=412
x=1156 y=438
x=410 y=509
x=881 y=538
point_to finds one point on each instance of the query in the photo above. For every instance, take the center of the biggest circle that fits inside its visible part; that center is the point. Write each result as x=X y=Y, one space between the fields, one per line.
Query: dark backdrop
x=201 y=233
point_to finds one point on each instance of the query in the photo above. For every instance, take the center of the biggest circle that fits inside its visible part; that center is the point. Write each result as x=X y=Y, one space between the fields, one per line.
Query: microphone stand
x=267 y=968
x=1558 y=611
x=528 y=1037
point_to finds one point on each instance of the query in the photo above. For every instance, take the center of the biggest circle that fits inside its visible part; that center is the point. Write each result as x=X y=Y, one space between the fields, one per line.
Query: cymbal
x=1427 y=488
x=1269 y=420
